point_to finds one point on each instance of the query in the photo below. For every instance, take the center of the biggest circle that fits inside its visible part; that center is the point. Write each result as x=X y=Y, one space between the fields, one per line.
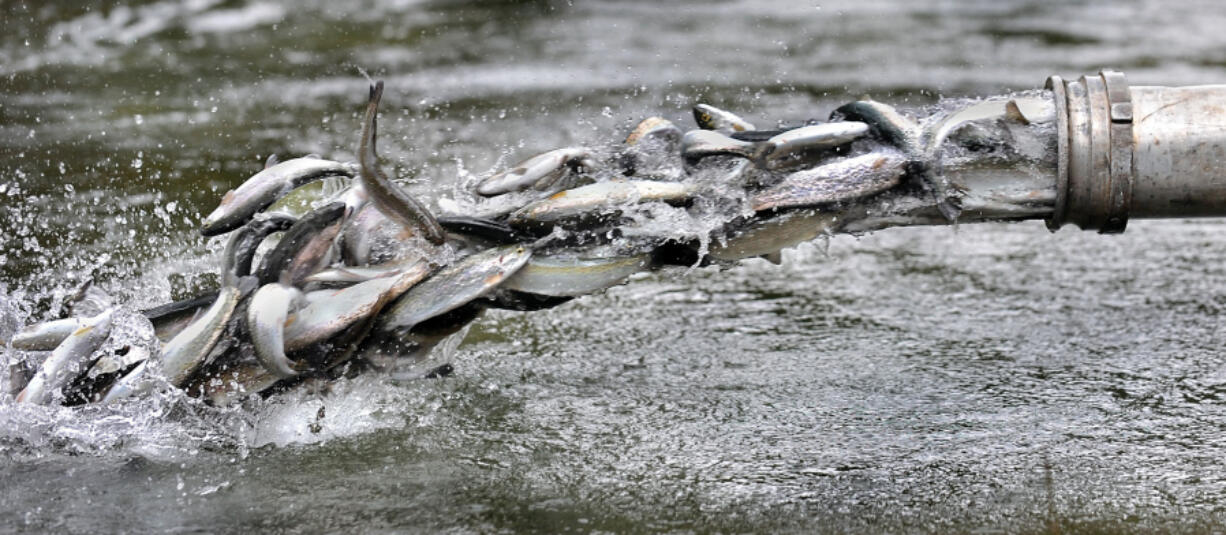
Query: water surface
x=983 y=378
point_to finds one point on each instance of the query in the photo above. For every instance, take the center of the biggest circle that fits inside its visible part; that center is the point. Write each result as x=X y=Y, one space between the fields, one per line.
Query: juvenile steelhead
x=135 y=382
x=305 y=243
x=188 y=350
x=45 y=336
x=810 y=138
x=70 y=359
x=697 y=144
x=768 y=237
x=564 y=277
x=598 y=201
x=328 y=312
x=264 y=188
x=843 y=180
x=655 y=130
x=266 y=314
x=454 y=286
x=885 y=123
x=390 y=198
x=538 y=172
x=711 y=118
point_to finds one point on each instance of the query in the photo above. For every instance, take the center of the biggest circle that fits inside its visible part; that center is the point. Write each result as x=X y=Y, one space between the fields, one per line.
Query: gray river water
x=985 y=378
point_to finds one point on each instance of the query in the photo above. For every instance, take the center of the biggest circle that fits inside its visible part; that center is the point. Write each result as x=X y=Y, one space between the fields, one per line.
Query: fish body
x=252 y=236
x=370 y=236
x=563 y=277
x=264 y=188
x=187 y=351
x=655 y=130
x=599 y=200
x=841 y=181
x=816 y=137
x=387 y=196
x=191 y=346
x=356 y=274
x=538 y=172
x=698 y=144
x=328 y=312
x=884 y=122
x=709 y=117
x=69 y=359
x=768 y=237
x=266 y=314
x=45 y=336
x=135 y=382
x=305 y=246
x=454 y=286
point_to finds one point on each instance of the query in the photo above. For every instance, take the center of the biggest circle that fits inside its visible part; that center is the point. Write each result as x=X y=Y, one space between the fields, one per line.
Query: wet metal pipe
x=1137 y=152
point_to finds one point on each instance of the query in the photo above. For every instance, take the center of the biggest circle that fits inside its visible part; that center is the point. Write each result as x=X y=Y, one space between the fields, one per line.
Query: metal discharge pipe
x=1095 y=153
x=1137 y=152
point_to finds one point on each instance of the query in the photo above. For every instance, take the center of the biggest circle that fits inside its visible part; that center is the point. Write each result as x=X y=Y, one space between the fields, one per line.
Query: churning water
x=984 y=378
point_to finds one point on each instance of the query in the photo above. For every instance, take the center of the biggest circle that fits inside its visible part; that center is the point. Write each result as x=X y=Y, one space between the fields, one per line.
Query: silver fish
x=538 y=172
x=369 y=236
x=711 y=118
x=190 y=348
x=187 y=351
x=561 y=276
x=45 y=336
x=70 y=359
x=390 y=198
x=266 y=314
x=843 y=180
x=655 y=130
x=697 y=144
x=117 y=362
x=810 y=138
x=137 y=381
x=356 y=274
x=599 y=201
x=884 y=122
x=328 y=312
x=768 y=237
x=264 y=188
x=454 y=286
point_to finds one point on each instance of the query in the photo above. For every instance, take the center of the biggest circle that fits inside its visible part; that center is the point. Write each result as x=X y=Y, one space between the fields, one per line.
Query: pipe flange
x=1055 y=84
x=1120 y=102
x=1095 y=144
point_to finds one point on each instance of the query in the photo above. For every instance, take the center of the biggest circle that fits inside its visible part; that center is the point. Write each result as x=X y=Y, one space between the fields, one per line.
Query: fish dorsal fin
x=271 y=161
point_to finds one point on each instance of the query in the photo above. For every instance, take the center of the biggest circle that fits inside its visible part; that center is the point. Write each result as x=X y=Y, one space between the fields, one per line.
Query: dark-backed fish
x=818 y=137
x=390 y=198
x=305 y=247
x=264 y=188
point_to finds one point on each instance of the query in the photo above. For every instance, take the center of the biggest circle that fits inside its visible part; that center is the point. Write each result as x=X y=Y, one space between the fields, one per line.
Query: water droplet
x=140 y=119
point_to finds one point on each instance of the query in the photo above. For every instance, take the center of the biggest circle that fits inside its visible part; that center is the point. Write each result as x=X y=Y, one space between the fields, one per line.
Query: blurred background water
x=989 y=378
